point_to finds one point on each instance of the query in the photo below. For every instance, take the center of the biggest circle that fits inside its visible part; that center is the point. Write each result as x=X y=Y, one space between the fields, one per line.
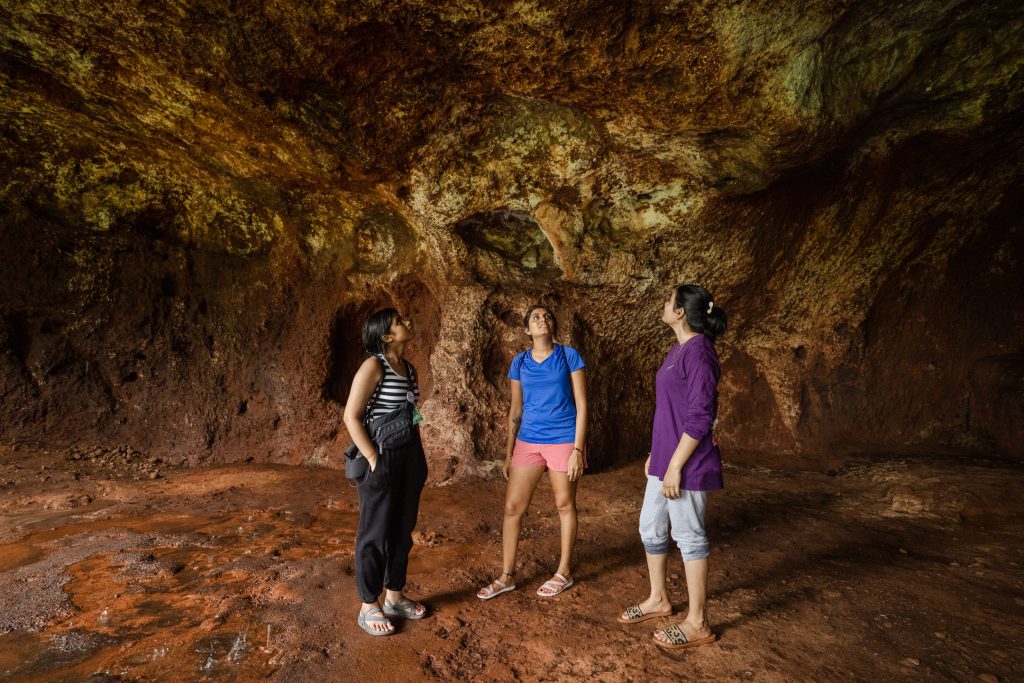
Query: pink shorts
x=554 y=455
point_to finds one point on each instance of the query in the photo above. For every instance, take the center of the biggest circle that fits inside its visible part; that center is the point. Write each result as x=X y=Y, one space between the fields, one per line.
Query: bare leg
x=522 y=482
x=697 y=589
x=657 y=601
x=565 y=502
x=695 y=627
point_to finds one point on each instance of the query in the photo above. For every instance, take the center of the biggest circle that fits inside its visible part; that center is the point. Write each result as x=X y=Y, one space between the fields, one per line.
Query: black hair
x=374 y=329
x=702 y=313
x=531 y=309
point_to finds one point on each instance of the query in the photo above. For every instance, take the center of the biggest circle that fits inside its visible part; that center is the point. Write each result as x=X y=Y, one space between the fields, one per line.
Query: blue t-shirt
x=549 y=410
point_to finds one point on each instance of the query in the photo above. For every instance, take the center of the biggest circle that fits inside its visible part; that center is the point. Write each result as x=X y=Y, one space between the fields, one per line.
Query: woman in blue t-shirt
x=547 y=430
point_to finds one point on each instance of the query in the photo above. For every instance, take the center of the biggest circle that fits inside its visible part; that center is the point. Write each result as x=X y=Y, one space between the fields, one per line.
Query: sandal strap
x=403 y=603
x=489 y=589
x=676 y=635
x=376 y=615
x=634 y=611
x=558 y=582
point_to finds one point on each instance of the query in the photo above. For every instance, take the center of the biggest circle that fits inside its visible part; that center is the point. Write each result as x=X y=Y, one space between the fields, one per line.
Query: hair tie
x=710 y=306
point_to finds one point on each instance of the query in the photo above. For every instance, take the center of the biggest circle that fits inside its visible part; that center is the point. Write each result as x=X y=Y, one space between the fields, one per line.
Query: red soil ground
x=900 y=568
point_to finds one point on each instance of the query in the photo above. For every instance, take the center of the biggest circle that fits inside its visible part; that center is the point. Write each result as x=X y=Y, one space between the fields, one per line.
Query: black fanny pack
x=392 y=430
x=388 y=432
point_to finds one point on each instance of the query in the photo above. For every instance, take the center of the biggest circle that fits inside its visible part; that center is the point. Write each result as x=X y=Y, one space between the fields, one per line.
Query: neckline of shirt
x=554 y=347
x=385 y=359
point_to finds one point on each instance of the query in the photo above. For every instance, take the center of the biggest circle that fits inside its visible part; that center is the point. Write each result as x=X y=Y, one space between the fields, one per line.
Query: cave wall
x=200 y=204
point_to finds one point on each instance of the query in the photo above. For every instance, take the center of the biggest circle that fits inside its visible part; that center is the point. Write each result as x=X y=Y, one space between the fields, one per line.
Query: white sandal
x=488 y=591
x=555 y=585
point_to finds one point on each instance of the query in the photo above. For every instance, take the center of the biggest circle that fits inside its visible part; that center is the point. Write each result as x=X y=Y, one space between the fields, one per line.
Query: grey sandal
x=404 y=608
x=376 y=616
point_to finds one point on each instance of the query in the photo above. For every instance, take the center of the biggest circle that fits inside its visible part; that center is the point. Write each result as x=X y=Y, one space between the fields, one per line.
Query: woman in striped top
x=389 y=494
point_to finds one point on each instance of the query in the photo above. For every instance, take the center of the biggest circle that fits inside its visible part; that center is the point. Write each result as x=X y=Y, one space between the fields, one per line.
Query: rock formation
x=201 y=202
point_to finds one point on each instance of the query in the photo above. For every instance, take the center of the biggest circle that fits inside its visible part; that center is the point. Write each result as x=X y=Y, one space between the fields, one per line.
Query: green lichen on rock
x=191 y=188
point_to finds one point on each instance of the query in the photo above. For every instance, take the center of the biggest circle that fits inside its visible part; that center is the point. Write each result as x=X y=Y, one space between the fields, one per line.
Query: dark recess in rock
x=199 y=209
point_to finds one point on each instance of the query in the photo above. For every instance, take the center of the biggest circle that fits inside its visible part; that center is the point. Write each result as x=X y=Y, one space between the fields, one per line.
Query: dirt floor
x=113 y=568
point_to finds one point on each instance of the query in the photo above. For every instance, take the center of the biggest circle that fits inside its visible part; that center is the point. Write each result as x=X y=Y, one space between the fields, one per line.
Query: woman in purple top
x=684 y=464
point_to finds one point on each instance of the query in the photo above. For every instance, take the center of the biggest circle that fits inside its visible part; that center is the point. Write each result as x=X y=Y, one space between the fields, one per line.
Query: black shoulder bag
x=388 y=432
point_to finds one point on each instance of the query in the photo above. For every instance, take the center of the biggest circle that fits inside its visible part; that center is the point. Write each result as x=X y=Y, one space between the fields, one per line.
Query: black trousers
x=389 y=502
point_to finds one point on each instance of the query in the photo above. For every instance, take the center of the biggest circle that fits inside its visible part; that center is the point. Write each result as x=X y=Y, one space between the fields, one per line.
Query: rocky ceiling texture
x=200 y=201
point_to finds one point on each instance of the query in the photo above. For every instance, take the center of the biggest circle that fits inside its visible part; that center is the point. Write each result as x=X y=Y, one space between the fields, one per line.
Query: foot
x=405 y=608
x=682 y=635
x=503 y=584
x=372 y=620
x=554 y=586
x=649 y=609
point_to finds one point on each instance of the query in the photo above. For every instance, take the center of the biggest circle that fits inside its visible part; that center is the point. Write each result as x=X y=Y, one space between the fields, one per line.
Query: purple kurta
x=687 y=401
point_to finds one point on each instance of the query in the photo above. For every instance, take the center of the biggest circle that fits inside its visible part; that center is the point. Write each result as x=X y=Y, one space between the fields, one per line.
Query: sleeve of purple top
x=700 y=403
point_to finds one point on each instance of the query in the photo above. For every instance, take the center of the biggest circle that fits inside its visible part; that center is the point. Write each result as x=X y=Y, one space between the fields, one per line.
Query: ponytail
x=702 y=313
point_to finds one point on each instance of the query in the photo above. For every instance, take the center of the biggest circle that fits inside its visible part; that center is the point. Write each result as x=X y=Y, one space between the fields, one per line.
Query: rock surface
x=201 y=203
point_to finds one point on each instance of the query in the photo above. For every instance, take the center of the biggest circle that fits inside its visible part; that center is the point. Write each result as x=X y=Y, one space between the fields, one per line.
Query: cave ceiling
x=201 y=201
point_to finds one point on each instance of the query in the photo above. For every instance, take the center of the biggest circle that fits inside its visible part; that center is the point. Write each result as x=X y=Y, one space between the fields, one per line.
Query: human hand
x=504 y=467
x=372 y=459
x=574 y=469
x=647 y=466
x=670 y=483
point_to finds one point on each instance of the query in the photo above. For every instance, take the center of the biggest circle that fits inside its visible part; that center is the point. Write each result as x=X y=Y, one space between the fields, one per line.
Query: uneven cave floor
x=903 y=567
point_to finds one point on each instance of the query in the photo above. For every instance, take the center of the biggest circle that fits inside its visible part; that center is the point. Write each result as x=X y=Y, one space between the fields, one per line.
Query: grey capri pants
x=686 y=515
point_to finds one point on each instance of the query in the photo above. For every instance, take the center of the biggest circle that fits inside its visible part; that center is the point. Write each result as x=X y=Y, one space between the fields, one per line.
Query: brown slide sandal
x=634 y=615
x=678 y=640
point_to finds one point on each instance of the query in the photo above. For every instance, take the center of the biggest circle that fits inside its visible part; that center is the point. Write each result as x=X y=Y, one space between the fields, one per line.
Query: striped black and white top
x=393 y=389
